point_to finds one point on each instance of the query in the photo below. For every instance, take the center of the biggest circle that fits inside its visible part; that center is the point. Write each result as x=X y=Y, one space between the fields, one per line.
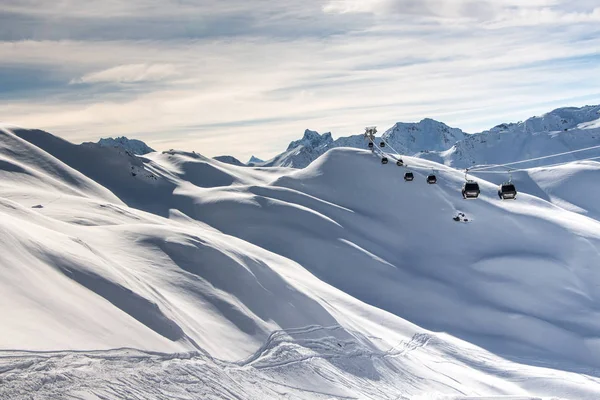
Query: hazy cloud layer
x=247 y=77
x=130 y=73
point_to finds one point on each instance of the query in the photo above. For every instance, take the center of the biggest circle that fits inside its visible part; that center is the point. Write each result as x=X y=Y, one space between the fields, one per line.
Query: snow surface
x=173 y=275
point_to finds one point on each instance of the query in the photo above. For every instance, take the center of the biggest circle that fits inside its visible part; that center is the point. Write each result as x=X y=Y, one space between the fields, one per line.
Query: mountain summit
x=254 y=160
x=312 y=139
x=133 y=145
x=300 y=153
x=427 y=135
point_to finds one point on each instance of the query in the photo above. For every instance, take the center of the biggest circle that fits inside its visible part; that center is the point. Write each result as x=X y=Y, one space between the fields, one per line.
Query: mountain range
x=561 y=130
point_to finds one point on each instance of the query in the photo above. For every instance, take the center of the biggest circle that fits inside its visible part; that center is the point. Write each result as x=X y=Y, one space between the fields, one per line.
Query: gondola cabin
x=370 y=145
x=507 y=191
x=470 y=190
x=399 y=162
x=431 y=179
x=408 y=176
x=384 y=160
x=381 y=144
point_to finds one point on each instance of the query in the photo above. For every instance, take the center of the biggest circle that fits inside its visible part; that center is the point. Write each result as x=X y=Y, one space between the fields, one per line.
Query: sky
x=242 y=77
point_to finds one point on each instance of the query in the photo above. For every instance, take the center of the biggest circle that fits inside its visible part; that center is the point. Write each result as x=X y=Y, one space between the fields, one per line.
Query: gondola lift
x=399 y=163
x=431 y=178
x=384 y=160
x=507 y=190
x=370 y=145
x=470 y=189
x=381 y=144
x=408 y=176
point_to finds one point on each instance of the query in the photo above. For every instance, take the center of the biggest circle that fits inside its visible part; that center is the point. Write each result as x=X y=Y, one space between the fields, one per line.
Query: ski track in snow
x=134 y=374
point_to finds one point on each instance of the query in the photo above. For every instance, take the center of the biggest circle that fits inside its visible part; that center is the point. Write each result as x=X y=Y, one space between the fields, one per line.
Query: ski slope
x=172 y=275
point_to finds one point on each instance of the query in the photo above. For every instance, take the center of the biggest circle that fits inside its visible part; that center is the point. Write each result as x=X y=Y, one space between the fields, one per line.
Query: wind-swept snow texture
x=176 y=276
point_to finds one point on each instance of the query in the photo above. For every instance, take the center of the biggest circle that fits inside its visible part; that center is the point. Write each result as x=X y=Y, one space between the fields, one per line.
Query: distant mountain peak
x=134 y=146
x=255 y=160
x=428 y=134
x=312 y=139
x=560 y=119
x=229 y=160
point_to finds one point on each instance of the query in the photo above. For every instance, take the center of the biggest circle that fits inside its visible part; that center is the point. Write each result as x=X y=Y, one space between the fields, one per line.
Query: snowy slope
x=191 y=278
x=573 y=186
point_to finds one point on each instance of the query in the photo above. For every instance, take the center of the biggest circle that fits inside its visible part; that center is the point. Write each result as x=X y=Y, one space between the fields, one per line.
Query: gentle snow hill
x=191 y=278
x=132 y=145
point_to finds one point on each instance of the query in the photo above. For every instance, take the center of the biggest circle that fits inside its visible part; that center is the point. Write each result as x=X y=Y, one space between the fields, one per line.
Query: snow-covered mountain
x=300 y=153
x=133 y=145
x=561 y=130
x=192 y=278
x=229 y=160
x=427 y=135
x=254 y=160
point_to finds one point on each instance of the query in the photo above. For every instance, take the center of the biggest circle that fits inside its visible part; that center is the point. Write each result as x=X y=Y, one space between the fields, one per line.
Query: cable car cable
x=490 y=166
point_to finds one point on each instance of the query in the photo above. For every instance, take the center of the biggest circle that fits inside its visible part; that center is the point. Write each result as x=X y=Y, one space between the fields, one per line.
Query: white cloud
x=131 y=73
x=436 y=8
x=545 y=16
x=531 y=12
